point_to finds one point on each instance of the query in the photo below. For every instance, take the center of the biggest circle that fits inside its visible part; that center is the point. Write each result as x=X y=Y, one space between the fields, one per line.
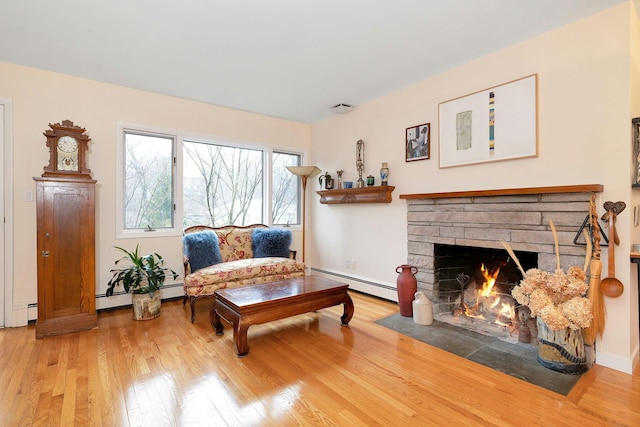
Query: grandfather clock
x=65 y=196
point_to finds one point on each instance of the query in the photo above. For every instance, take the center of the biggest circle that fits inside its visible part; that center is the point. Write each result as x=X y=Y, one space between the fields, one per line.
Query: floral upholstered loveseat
x=232 y=256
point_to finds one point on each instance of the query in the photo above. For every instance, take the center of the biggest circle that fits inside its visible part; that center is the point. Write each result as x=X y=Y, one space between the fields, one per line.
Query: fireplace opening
x=472 y=288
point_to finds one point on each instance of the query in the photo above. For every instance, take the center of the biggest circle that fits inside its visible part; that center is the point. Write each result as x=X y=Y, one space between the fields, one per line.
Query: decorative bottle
x=384 y=173
x=407 y=286
x=339 y=173
x=422 y=309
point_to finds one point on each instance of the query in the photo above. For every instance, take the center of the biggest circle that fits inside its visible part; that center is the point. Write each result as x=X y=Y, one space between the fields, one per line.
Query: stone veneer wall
x=485 y=221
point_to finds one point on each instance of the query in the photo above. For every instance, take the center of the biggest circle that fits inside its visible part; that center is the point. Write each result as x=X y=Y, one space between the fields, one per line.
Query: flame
x=489 y=280
x=471 y=312
x=487 y=299
x=507 y=311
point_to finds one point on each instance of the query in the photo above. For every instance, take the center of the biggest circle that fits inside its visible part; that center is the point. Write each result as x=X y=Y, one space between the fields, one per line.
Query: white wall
x=584 y=108
x=41 y=97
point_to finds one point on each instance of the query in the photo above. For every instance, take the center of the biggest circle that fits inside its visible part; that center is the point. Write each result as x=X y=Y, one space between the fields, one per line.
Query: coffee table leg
x=240 y=329
x=214 y=318
x=348 y=309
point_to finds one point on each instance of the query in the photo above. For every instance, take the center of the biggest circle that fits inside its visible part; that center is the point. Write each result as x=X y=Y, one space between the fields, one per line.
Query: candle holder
x=339 y=173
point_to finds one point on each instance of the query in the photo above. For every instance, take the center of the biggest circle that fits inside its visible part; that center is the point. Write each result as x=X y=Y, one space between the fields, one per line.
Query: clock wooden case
x=68 y=146
x=65 y=199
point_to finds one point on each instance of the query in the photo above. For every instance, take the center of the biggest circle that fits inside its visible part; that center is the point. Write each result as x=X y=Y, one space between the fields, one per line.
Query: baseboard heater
x=355 y=279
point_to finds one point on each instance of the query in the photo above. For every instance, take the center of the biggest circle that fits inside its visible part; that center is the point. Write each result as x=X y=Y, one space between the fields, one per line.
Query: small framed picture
x=418 y=142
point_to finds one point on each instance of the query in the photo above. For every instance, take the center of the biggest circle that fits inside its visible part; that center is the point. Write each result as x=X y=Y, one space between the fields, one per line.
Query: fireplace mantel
x=598 y=188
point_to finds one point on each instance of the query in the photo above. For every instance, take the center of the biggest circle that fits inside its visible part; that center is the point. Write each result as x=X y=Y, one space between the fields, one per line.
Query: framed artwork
x=418 y=142
x=498 y=123
x=635 y=123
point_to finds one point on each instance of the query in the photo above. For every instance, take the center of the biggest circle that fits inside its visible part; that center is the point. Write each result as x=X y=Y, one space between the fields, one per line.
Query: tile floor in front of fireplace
x=515 y=359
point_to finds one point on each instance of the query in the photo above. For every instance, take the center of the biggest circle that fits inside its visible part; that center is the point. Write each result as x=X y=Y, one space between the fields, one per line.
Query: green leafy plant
x=144 y=275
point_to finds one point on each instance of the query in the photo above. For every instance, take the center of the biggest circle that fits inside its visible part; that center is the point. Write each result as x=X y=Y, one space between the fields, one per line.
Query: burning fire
x=487 y=299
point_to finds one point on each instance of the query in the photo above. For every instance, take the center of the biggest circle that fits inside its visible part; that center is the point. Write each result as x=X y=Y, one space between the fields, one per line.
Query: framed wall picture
x=635 y=123
x=498 y=123
x=418 y=142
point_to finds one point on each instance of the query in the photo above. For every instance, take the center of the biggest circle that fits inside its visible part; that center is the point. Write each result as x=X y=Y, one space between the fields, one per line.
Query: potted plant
x=328 y=180
x=143 y=276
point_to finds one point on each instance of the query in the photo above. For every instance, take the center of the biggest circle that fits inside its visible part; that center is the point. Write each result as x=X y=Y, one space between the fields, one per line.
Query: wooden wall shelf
x=381 y=194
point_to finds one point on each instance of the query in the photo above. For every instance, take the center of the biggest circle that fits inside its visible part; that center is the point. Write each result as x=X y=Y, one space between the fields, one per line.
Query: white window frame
x=121 y=231
x=179 y=138
x=297 y=225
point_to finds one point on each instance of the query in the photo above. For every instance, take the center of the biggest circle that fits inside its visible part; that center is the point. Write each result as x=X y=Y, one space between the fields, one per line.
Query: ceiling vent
x=341 y=108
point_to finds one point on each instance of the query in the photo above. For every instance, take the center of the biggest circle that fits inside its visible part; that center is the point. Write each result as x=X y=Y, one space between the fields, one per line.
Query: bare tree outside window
x=221 y=185
x=148 y=181
x=285 y=191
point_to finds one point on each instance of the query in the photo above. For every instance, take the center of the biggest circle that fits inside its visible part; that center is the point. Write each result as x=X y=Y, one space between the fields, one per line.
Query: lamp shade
x=307 y=171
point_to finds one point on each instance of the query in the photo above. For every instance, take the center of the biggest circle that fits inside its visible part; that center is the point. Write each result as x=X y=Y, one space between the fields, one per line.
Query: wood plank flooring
x=306 y=370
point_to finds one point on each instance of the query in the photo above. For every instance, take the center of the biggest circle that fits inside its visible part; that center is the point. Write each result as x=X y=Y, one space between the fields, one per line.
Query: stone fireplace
x=451 y=235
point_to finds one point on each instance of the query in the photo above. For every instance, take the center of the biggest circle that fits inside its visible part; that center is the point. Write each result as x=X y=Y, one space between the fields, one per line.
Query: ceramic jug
x=422 y=309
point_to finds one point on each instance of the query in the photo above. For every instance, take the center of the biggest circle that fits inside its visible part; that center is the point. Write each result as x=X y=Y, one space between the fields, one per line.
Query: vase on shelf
x=384 y=173
x=562 y=350
x=407 y=286
x=339 y=173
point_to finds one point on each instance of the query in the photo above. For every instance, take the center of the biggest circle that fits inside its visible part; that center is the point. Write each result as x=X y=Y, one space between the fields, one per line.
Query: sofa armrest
x=186 y=265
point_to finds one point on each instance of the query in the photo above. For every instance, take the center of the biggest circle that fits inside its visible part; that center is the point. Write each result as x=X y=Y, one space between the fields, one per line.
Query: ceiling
x=291 y=59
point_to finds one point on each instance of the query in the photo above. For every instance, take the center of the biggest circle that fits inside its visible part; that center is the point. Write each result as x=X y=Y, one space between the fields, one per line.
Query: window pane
x=148 y=181
x=284 y=197
x=221 y=185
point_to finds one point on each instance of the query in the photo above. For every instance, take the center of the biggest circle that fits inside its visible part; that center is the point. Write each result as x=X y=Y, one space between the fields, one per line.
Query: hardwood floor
x=305 y=370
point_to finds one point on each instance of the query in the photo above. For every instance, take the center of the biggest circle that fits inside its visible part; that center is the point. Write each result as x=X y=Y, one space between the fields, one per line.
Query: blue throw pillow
x=202 y=249
x=268 y=242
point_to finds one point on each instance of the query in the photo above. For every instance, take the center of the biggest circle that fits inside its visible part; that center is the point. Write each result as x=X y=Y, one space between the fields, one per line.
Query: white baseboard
x=122 y=299
x=616 y=362
x=360 y=284
x=21 y=314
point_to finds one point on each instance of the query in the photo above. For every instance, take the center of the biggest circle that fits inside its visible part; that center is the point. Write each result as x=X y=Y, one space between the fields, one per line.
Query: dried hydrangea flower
x=578 y=312
x=554 y=318
x=557 y=298
x=577 y=273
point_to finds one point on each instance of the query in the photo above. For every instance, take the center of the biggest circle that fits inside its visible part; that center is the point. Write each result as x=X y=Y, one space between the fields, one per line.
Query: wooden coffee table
x=253 y=304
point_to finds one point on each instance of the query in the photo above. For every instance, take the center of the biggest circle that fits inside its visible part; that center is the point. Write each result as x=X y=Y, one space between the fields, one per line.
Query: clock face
x=67 y=147
x=67 y=144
